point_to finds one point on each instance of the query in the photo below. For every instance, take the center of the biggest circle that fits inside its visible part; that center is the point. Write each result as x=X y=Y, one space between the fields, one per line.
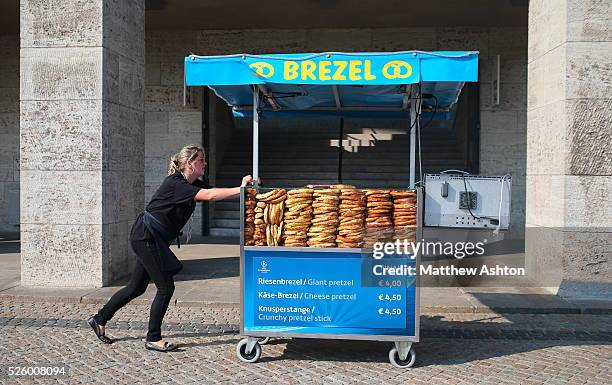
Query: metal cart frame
x=402 y=355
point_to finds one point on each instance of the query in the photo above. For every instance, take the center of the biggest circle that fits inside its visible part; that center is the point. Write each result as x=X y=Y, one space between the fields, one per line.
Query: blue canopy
x=334 y=82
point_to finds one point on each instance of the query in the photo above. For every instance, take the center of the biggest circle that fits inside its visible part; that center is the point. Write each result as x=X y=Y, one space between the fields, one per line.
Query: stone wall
x=9 y=134
x=169 y=125
x=569 y=142
x=503 y=126
x=81 y=139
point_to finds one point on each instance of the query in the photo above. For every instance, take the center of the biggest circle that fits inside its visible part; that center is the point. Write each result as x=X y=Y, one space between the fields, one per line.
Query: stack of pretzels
x=352 y=215
x=273 y=205
x=249 y=217
x=298 y=217
x=322 y=232
x=404 y=214
x=336 y=216
x=379 y=225
x=260 y=226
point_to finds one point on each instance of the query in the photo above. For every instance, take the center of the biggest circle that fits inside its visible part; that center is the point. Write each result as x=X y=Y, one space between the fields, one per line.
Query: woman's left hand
x=246 y=181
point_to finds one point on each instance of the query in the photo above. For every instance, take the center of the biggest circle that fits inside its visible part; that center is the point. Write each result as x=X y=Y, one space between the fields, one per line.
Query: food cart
x=309 y=265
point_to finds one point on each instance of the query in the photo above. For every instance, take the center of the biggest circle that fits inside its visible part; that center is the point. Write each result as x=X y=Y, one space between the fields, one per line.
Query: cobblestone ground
x=454 y=349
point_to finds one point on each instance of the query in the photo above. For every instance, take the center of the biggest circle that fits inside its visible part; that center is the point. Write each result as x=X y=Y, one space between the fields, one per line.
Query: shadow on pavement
x=176 y=339
x=208 y=268
x=446 y=342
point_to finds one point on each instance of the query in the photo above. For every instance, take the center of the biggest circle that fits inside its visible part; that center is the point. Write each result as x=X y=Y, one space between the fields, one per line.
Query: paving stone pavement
x=455 y=348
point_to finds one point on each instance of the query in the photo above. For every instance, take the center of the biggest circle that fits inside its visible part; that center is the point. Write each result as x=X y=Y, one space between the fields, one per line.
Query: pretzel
x=329 y=221
x=295 y=232
x=300 y=191
x=268 y=236
x=350 y=245
x=306 y=213
x=405 y=200
x=351 y=196
x=325 y=192
x=351 y=222
x=299 y=220
x=405 y=222
x=321 y=210
x=329 y=214
x=272 y=195
x=382 y=218
x=378 y=225
x=349 y=203
x=403 y=193
x=350 y=228
x=272 y=213
x=352 y=234
x=322 y=238
x=322 y=228
x=346 y=239
x=264 y=196
x=379 y=204
x=329 y=197
x=354 y=209
x=279 y=199
x=375 y=211
x=299 y=200
x=292 y=235
x=411 y=213
x=373 y=192
x=405 y=206
x=322 y=245
x=319 y=203
x=278 y=214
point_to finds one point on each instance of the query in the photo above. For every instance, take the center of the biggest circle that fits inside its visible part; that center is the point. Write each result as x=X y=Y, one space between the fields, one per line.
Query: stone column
x=569 y=147
x=82 y=138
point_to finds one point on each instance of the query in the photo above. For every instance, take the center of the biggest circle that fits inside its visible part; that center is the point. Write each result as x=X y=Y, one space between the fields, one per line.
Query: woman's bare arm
x=217 y=194
x=220 y=193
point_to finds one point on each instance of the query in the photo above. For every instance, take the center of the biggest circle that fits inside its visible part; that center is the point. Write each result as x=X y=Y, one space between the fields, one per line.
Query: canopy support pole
x=255 y=136
x=415 y=107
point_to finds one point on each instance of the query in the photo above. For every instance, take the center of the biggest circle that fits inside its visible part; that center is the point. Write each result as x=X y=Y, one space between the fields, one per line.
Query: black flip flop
x=168 y=347
x=96 y=328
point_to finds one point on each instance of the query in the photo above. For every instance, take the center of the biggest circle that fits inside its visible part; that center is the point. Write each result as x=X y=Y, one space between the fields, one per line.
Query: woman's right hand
x=246 y=181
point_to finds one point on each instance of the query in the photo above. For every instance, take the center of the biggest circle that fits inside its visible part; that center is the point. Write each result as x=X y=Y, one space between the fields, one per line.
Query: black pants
x=146 y=268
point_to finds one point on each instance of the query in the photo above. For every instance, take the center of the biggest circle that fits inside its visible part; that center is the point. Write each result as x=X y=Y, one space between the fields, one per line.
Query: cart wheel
x=403 y=364
x=264 y=340
x=251 y=357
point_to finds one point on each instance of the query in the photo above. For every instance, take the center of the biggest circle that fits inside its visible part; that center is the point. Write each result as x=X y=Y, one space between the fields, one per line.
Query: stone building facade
x=91 y=107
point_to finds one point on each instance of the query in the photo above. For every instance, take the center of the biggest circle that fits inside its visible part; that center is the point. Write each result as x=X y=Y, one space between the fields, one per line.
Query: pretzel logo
x=399 y=70
x=262 y=69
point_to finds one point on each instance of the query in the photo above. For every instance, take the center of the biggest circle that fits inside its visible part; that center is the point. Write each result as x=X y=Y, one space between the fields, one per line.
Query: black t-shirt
x=172 y=205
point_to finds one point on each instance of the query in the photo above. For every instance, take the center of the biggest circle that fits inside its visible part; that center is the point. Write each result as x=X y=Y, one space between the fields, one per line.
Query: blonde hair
x=178 y=161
